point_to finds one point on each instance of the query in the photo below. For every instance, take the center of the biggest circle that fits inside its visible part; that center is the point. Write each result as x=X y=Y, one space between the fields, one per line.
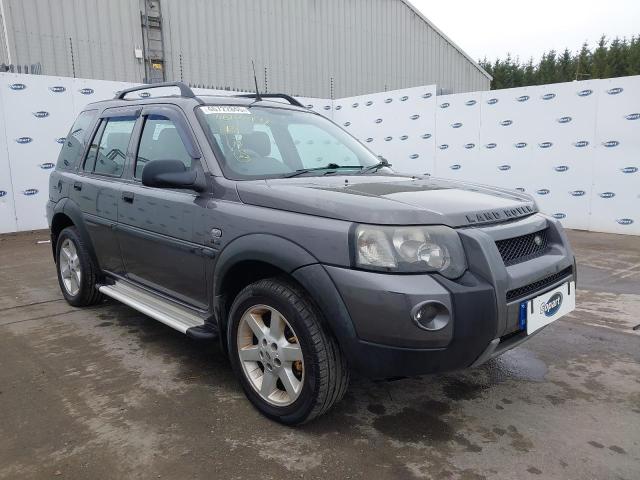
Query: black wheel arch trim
x=69 y=208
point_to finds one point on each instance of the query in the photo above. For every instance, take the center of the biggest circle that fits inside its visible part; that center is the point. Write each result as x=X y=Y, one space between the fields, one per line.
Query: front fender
x=271 y=249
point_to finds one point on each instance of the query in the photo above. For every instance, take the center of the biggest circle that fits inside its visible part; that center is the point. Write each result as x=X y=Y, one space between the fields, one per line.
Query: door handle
x=77 y=186
x=127 y=197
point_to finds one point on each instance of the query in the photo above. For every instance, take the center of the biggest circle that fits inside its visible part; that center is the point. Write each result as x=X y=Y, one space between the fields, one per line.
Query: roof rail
x=185 y=91
x=284 y=96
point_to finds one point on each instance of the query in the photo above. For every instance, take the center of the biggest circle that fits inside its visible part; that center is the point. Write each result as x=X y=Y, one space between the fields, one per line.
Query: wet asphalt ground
x=106 y=393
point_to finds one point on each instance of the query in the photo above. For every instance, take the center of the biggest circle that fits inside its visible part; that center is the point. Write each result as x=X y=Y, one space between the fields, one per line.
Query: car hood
x=389 y=200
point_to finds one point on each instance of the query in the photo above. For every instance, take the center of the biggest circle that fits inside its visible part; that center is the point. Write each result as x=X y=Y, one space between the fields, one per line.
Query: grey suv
x=252 y=220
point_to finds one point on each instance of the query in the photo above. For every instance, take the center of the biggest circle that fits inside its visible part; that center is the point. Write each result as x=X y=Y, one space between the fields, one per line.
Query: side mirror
x=171 y=174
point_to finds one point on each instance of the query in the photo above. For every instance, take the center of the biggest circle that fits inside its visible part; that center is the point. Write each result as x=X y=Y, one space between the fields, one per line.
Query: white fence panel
x=615 y=204
x=574 y=146
x=399 y=125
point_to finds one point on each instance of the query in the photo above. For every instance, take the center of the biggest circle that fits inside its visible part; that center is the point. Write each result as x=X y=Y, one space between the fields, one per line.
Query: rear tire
x=77 y=273
x=291 y=377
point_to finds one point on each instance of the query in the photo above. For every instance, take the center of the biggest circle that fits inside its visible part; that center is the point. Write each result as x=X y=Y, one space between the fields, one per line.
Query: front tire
x=289 y=366
x=77 y=273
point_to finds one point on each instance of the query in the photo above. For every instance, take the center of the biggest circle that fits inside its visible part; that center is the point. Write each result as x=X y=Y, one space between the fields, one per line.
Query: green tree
x=617 y=58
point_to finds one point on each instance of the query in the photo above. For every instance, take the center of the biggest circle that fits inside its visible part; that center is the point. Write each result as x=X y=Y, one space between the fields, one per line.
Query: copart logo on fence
x=444 y=146
x=564 y=119
x=455 y=167
x=585 y=93
x=506 y=123
x=624 y=221
x=521 y=145
x=581 y=144
x=548 y=96
x=492 y=101
x=41 y=114
x=559 y=216
x=23 y=140
x=607 y=195
x=561 y=168
x=414 y=156
x=469 y=146
x=633 y=116
x=545 y=144
x=578 y=193
x=615 y=91
x=58 y=89
x=2 y=193
x=523 y=98
x=86 y=91
x=629 y=169
x=504 y=168
x=543 y=191
x=47 y=166
x=17 y=86
x=30 y=192
x=444 y=105
x=456 y=125
x=490 y=146
x=611 y=143
x=61 y=140
x=470 y=103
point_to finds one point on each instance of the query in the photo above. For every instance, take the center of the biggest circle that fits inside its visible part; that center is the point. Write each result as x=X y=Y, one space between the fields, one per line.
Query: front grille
x=519 y=249
x=539 y=285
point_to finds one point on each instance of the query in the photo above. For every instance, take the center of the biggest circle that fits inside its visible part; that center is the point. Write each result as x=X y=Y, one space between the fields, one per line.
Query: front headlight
x=409 y=249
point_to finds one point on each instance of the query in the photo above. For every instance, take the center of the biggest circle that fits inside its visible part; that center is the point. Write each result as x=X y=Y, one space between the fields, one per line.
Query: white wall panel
x=615 y=203
x=575 y=146
x=7 y=207
x=399 y=125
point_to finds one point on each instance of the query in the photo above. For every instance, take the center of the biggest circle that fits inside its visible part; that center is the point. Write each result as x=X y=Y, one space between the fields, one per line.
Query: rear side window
x=160 y=141
x=108 y=151
x=75 y=141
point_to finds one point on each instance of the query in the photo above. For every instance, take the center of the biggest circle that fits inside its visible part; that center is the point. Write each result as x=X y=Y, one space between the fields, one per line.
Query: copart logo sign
x=551 y=306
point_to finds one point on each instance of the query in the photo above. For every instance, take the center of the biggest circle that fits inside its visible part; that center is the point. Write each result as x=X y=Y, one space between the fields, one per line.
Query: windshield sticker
x=218 y=109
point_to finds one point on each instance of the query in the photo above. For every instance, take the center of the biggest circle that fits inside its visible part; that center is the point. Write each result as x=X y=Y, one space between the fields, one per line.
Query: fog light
x=430 y=316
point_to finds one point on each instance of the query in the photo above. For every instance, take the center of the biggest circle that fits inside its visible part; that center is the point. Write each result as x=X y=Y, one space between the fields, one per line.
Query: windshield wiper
x=374 y=168
x=331 y=166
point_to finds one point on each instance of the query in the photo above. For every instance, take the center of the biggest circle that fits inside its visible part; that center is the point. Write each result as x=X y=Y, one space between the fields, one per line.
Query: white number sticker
x=217 y=109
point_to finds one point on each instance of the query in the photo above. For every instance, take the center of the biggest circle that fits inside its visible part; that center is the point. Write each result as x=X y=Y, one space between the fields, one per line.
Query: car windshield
x=261 y=142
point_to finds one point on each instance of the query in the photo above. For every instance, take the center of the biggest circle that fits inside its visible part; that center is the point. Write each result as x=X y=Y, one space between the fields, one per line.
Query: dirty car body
x=407 y=274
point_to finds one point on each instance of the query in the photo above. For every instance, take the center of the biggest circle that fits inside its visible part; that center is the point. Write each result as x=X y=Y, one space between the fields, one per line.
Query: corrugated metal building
x=316 y=48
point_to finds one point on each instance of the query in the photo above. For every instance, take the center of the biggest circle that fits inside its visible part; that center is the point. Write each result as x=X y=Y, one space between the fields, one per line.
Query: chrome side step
x=166 y=312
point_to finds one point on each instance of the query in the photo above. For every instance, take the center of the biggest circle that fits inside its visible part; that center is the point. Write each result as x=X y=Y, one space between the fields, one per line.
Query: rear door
x=96 y=186
x=157 y=226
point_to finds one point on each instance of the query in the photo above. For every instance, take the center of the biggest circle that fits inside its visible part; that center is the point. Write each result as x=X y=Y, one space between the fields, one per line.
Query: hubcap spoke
x=291 y=352
x=290 y=382
x=276 y=329
x=250 y=354
x=268 y=383
x=256 y=324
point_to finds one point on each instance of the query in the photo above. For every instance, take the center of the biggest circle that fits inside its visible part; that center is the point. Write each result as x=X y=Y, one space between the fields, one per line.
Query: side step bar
x=170 y=314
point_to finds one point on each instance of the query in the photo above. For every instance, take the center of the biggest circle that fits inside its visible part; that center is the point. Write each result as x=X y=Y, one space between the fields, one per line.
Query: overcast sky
x=526 y=29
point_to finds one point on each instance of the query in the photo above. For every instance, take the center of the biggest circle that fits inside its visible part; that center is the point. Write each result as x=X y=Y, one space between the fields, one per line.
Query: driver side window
x=111 y=153
x=160 y=140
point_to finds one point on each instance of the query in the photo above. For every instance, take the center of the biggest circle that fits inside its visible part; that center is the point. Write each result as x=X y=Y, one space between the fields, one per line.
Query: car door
x=157 y=227
x=95 y=188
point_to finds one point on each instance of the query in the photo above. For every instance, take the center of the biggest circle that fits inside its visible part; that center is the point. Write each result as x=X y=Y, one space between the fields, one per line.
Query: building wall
x=363 y=45
x=102 y=34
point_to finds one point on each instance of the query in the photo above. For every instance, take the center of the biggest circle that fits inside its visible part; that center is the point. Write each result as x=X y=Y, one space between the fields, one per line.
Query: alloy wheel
x=69 y=265
x=270 y=355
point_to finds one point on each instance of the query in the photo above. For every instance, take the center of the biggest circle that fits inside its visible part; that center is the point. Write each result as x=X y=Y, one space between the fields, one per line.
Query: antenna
x=255 y=79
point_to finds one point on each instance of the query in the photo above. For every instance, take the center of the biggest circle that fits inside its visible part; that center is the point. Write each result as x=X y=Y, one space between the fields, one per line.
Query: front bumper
x=483 y=304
